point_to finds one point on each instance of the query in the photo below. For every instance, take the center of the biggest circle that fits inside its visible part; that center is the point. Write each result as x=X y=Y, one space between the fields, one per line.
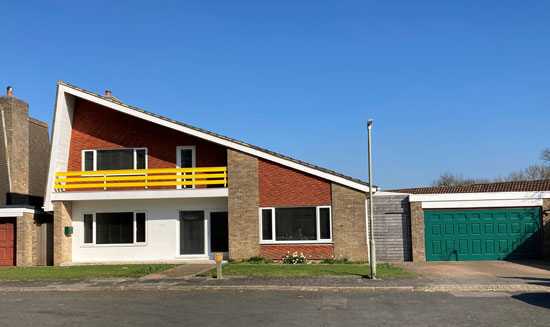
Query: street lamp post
x=372 y=248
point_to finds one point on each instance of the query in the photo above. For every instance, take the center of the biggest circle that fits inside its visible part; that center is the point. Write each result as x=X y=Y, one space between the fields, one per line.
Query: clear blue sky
x=451 y=85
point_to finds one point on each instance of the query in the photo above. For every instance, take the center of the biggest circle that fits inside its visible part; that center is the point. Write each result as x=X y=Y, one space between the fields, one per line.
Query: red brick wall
x=97 y=127
x=312 y=252
x=281 y=186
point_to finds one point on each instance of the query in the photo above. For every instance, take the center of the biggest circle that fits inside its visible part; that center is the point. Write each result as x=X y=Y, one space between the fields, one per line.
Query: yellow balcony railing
x=141 y=178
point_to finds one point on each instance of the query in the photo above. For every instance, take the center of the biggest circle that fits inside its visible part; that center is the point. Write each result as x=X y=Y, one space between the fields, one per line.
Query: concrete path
x=183 y=271
x=476 y=269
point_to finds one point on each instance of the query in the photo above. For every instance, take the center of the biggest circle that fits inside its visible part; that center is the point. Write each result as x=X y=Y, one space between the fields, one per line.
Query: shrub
x=257 y=259
x=147 y=269
x=339 y=261
x=294 y=258
x=385 y=265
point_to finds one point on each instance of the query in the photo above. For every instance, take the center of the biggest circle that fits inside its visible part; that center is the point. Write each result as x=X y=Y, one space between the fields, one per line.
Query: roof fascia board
x=14 y=212
x=61 y=133
x=478 y=196
x=212 y=138
x=482 y=204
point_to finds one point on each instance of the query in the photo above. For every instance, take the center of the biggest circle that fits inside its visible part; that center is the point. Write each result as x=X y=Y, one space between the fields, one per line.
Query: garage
x=492 y=221
x=7 y=242
x=494 y=234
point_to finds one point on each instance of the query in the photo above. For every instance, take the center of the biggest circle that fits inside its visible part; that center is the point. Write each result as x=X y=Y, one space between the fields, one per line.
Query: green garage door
x=503 y=234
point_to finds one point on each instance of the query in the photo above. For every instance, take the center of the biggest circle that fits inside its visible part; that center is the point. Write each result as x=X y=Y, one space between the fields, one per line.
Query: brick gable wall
x=285 y=187
x=97 y=127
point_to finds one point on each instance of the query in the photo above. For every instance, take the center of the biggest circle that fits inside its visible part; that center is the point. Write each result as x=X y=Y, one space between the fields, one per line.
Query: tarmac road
x=272 y=308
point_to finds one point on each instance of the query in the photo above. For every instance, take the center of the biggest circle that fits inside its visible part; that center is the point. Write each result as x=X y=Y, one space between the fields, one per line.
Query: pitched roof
x=118 y=102
x=520 y=186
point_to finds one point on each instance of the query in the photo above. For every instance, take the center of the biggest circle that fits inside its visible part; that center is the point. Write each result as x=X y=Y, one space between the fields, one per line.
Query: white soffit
x=140 y=194
x=14 y=212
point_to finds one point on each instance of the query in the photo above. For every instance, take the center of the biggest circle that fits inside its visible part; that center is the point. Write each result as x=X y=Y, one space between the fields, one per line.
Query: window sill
x=118 y=245
x=322 y=242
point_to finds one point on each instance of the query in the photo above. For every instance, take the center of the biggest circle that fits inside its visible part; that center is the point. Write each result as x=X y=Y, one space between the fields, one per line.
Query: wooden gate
x=7 y=242
x=44 y=244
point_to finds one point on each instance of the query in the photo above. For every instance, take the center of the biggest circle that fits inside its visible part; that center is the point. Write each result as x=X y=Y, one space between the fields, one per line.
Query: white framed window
x=296 y=224
x=115 y=228
x=114 y=159
x=185 y=158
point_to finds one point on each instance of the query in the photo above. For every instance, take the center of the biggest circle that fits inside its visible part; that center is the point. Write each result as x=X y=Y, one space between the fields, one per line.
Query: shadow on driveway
x=533 y=280
x=537 y=299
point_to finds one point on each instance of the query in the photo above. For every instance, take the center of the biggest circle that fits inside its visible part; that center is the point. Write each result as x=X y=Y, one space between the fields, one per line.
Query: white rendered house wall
x=162 y=229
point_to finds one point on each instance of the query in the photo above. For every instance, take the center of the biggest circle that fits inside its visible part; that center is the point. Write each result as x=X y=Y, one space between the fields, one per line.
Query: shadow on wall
x=24 y=200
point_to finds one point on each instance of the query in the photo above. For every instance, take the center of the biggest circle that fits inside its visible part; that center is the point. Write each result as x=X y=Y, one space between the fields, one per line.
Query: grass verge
x=78 y=272
x=382 y=270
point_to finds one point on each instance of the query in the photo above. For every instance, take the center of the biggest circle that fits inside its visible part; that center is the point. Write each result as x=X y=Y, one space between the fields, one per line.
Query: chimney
x=10 y=91
x=108 y=93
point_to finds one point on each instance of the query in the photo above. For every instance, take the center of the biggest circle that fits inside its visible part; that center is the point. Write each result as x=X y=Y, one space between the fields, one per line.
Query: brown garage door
x=7 y=242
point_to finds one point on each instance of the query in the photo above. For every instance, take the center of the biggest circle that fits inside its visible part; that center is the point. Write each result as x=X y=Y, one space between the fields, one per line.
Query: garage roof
x=520 y=186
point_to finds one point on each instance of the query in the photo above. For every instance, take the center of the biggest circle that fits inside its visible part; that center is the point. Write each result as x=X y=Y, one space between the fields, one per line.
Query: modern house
x=25 y=230
x=493 y=221
x=128 y=185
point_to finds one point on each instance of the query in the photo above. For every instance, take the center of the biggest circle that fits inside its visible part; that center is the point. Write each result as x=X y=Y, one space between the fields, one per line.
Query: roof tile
x=519 y=186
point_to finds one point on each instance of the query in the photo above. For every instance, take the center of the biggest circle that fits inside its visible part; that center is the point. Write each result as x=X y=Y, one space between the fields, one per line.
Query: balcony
x=141 y=183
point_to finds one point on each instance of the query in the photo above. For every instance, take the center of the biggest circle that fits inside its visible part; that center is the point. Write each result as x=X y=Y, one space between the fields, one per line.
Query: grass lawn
x=383 y=270
x=77 y=272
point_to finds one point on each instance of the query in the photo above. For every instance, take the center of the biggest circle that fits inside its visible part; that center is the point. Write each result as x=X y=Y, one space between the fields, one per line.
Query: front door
x=7 y=242
x=219 y=241
x=192 y=232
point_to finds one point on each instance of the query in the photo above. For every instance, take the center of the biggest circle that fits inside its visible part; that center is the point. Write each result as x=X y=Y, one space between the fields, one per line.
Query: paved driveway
x=473 y=269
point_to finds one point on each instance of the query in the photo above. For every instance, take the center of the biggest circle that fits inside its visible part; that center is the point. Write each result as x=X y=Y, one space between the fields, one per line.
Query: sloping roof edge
x=352 y=182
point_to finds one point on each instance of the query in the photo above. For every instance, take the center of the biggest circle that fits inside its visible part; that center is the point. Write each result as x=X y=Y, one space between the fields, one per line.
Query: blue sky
x=451 y=85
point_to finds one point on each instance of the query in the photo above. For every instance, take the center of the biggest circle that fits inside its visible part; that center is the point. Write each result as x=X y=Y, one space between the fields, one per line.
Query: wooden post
x=218 y=257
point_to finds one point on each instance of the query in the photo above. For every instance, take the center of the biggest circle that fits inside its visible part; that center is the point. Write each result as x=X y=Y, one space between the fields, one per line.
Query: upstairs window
x=114 y=159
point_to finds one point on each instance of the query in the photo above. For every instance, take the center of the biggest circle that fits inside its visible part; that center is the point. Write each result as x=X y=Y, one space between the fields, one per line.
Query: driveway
x=474 y=269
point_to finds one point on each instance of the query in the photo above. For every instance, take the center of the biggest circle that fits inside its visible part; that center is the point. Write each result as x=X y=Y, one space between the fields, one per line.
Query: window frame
x=273 y=239
x=94 y=229
x=94 y=151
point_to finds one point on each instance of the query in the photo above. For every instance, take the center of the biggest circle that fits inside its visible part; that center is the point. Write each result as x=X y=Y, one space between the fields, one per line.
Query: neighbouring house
x=126 y=185
x=26 y=232
x=494 y=221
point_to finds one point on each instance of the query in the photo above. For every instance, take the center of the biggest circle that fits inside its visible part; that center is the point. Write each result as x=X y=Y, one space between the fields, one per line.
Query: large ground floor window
x=114 y=228
x=296 y=225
